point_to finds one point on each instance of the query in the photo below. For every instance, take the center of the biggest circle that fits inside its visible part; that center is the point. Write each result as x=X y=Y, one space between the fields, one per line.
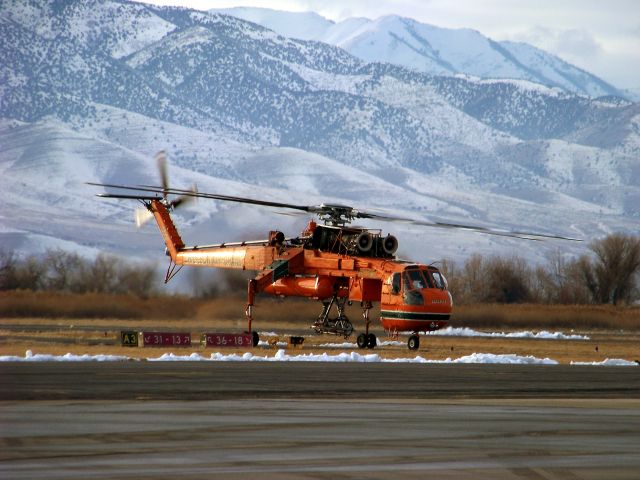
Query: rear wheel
x=255 y=338
x=414 y=342
x=372 y=342
x=362 y=340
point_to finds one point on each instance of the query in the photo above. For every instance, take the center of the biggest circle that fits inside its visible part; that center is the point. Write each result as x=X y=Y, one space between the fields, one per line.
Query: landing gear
x=367 y=340
x=251 y=295
x=337 y=326
x=414 y=342
x=373 y=341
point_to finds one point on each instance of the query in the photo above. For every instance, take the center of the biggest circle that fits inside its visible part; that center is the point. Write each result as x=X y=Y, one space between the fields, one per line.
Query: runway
x=305 y=420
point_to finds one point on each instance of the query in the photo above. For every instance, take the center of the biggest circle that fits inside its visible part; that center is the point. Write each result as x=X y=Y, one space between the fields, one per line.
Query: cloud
x=572 y=42
x=577 y=42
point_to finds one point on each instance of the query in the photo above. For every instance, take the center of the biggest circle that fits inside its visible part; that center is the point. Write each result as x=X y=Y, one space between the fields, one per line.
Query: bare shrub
x=30 y=274
x=560 y=281
x=62 y=270
x=507 y=280
x=203 y=282
x=496 y=280
x=139 y=280
x=611 y=277
x=7 y=270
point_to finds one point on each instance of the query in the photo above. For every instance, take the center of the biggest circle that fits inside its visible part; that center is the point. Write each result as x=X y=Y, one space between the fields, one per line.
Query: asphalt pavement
x=317 y=420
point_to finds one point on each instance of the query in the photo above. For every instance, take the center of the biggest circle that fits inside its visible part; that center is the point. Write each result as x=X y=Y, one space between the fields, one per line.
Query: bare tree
x=62 y=269
x=7 y=270
x=138 y=280
x=561 y=281
x=507 y=280
x=30 y=274
x=469 y=286
x=99 y=276
x=612 y=275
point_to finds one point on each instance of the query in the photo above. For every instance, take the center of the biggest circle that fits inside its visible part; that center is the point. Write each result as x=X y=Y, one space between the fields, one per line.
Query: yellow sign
x=129 y=339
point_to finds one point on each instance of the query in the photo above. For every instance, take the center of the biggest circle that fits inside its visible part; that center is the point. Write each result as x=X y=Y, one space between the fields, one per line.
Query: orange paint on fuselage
x=312 y=287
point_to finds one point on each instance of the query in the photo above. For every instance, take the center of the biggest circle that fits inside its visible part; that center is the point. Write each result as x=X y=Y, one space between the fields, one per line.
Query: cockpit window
x=427 y=277
x=414 y=280
x=395 y=283
x=441 y=282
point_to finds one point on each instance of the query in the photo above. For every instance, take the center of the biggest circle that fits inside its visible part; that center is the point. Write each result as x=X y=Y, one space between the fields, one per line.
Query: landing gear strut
x=337 y=326
x=366 y=339
x=251 y=296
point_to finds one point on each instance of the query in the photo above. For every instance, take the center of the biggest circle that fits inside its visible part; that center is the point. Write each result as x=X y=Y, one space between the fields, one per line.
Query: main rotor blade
x=127 y=197
x=354 y=213
x=227 y=198
x=460 y=226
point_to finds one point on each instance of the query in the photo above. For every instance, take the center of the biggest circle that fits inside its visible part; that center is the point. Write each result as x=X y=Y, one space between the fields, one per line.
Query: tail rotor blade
x=184 y=199
x=161 y=160
x=142 y=216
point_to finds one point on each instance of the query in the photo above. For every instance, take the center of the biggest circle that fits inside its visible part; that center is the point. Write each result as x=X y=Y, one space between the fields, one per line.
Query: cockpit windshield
x=417 y=279
x=439 y=279
x=414 y=280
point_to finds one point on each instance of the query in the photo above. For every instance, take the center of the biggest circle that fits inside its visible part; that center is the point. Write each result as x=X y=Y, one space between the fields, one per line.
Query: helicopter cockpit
x=417 y=284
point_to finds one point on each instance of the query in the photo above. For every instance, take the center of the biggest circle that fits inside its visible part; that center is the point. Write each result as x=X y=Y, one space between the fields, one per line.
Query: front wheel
x=414 y=342
x=362 y=340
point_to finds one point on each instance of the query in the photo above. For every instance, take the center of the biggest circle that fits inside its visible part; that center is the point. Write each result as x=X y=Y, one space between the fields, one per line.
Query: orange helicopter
x=334 y=262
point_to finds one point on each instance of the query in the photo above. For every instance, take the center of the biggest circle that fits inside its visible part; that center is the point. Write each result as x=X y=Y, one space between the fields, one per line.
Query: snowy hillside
x=430 y=49
x=244 y=111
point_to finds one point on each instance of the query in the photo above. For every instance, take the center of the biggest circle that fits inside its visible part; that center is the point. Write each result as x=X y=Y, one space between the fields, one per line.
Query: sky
x=602 y=37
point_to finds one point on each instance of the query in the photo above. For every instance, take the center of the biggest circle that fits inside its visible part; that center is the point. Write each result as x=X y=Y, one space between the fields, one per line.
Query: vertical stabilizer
x=167 y=228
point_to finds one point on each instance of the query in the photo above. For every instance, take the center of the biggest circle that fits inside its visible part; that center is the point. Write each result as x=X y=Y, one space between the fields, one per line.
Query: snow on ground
x=457 y=332
x=29 y=356
x=282 y=356
x=610 y=362
x=468 y=332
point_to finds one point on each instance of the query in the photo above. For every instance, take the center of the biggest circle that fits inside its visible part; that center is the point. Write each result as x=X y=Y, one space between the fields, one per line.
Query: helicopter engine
x=353 y=241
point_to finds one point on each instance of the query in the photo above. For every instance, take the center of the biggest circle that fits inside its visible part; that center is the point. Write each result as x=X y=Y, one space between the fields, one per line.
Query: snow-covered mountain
x=431 y=49
x=90 y=90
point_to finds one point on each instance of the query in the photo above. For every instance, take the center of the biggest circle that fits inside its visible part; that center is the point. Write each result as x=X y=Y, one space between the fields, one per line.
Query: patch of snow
x=468 y=332
x=610 y=362
x=29 y=356
x=282 y=356
x=525 y=85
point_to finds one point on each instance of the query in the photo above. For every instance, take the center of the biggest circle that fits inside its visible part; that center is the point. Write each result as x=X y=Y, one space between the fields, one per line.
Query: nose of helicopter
x=437 y=300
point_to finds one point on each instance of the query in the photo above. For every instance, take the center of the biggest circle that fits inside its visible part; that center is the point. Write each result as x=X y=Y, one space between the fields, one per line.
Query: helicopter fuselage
x=351 y=263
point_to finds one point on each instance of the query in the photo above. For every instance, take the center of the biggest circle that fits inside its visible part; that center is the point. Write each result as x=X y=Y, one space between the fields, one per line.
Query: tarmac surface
x=281 y=420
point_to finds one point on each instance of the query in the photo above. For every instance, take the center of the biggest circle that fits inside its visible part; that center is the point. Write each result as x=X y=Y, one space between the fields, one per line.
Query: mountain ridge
x=244 y=111
x=430 y=49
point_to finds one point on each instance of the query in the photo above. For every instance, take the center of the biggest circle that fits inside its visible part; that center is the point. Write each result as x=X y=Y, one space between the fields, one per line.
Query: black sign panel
x=129 y=339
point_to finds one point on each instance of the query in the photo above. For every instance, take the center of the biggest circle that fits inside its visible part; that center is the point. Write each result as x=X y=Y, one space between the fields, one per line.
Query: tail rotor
x=143 y=215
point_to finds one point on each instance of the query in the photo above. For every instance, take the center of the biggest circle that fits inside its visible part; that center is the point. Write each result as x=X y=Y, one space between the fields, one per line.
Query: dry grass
x=269 y=310
x=26 y=303
x=58 y=323
x=578 y=317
